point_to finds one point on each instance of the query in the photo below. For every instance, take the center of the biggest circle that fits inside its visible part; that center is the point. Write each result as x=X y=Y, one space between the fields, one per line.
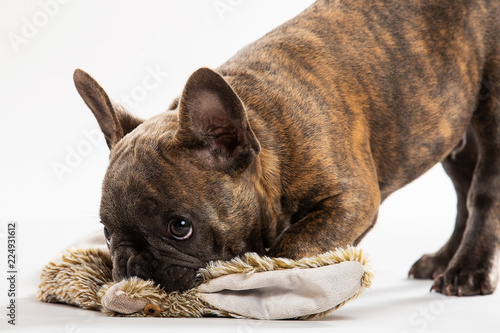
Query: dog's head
x=177 y=192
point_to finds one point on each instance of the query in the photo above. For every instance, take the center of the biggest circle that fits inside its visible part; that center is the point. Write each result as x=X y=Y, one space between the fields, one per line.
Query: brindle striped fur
x=300 y=136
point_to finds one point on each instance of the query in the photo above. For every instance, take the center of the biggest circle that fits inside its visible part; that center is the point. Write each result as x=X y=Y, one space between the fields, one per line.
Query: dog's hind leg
x=473 y=269
x=459 y=165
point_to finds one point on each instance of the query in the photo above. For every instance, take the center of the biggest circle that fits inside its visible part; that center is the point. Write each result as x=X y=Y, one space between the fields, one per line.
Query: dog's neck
x=264 y=176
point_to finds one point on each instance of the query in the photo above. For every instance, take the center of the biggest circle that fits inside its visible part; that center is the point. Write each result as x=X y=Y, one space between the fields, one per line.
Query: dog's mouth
x=168 y=277
x=176 y=278
x=172 y=273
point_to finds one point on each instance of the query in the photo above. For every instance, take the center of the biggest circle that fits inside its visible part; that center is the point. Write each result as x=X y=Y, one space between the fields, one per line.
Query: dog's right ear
x=114 y=121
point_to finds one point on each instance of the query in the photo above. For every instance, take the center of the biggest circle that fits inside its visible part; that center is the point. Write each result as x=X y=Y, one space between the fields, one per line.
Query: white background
x=44 y=127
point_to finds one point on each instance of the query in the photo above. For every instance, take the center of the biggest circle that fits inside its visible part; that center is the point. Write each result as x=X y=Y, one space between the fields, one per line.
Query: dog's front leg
x=335 y=221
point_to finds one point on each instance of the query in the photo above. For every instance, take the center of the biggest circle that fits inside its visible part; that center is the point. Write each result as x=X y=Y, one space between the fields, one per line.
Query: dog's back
x=402 y=78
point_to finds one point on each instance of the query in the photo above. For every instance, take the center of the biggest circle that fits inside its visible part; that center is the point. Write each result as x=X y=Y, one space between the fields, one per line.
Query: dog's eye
x=108 y=236
x=180 y=229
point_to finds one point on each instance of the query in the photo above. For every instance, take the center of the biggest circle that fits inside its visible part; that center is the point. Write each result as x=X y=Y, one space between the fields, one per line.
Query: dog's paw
x=429 y=266
x=463 y=281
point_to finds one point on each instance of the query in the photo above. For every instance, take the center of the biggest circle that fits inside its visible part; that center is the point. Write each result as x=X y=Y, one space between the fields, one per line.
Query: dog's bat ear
x=113 y=120
x=213 y=123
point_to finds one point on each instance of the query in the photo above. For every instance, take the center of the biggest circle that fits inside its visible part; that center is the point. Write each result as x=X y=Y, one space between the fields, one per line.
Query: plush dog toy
x=249 y=286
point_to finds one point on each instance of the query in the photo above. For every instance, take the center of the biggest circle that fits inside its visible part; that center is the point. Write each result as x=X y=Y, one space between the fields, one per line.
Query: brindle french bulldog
x=289 y=148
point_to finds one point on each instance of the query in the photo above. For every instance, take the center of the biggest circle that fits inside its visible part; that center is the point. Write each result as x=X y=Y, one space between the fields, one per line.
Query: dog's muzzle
x=170 y=277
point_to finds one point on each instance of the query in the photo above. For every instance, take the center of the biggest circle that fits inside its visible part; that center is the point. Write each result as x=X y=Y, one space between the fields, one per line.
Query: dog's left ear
x=114 y=121
x=213 y=123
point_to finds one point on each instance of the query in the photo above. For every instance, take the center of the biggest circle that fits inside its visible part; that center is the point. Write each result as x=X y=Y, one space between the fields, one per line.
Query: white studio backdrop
x=53 y=157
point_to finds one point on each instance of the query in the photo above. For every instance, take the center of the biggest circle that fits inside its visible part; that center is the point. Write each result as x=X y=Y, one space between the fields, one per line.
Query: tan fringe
x=75 y=278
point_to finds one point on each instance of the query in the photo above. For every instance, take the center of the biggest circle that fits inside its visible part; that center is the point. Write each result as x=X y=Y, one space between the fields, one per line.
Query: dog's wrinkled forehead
x=154 y=134
x=145 y=178
x=140 y=172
